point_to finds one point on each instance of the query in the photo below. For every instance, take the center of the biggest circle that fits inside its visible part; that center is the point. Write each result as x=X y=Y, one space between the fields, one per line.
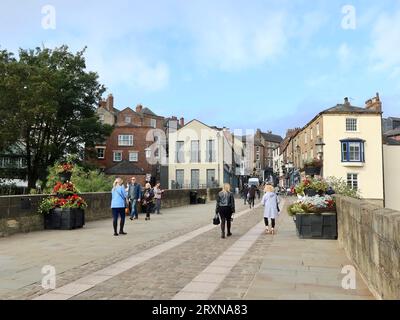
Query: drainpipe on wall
x=383 y=166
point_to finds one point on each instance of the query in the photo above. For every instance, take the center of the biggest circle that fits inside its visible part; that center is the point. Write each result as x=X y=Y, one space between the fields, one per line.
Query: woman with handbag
x=270 y=202
x=225 y=208
x=148 y=199
x=118 y=205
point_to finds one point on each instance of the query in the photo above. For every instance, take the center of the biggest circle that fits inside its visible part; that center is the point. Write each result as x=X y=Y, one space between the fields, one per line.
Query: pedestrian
x=270 y=202
x=134 y=193
x=225 y=208
x=157 y=196
x=118 y=204
x=252 y=195
x=245 y=191
x=148 y=200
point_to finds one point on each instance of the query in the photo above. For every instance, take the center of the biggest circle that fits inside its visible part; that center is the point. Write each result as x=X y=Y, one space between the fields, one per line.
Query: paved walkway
x=182 y=257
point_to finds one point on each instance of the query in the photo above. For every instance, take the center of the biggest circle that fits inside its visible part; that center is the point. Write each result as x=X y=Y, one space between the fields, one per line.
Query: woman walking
x=271 y=210
x=118 y=203
x=157 y=196
x=225 y=208
x=148 y=199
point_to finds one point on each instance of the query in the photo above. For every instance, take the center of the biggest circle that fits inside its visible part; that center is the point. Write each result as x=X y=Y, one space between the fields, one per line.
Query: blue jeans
x=134 y=212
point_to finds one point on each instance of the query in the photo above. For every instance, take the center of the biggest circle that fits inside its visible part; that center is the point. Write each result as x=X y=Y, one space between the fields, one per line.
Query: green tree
x=48 y=102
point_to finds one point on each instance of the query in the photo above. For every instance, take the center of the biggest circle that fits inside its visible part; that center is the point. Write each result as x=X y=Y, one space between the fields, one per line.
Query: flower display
x=316 y=204
x=66 y=167
x=66 y=188
x=317 y=184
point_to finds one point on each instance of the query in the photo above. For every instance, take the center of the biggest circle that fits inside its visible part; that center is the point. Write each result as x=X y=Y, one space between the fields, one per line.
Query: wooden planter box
x=317 y=225
x=64 y=219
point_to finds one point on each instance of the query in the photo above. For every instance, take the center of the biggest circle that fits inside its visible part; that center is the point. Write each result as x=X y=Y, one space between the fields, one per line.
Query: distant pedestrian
x=157 y=196
x=245 y=191
x=225 y=208
x=118 y=204
x=252 y=195
x=148 y=200
x=270 y=202
x=134 y=193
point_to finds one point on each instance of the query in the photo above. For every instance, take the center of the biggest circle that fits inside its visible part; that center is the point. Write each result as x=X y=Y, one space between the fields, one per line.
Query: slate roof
x=272 y=137
x=125 y=168
x=343 y=108
x=394 y=132
x=390 y=141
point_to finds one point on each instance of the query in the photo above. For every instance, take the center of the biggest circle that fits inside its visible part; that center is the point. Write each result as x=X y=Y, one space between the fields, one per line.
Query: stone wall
x=370 y=236
x=19 y=213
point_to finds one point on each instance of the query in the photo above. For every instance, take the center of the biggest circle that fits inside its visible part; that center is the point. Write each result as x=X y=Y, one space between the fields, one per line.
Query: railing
x=176 y=185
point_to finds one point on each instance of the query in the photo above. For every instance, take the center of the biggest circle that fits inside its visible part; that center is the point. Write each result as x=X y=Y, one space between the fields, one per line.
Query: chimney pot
x=139 y=108
x=346 y=101
x=182 y=122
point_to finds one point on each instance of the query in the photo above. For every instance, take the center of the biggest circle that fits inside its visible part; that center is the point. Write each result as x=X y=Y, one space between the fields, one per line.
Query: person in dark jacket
x=134 y=193
x=148 y=200
x=252 y=195
x=225 y=208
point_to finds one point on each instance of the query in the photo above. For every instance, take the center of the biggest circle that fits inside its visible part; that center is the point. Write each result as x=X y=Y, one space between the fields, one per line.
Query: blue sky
x=240 y=64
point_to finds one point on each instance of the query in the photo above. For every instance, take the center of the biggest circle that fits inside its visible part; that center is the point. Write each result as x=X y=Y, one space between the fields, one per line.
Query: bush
x=341 y=187
x=83 y=180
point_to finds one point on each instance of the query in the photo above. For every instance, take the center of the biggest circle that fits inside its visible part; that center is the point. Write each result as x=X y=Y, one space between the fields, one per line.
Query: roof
x=125 y=168
x=394 y=132
x=390 y=141
x=272 y=137
x=148 y=111
x=346 y=108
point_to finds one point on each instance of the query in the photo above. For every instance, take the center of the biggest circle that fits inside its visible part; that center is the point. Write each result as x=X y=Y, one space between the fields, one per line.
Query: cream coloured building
x=348 y=139
x=201 y=156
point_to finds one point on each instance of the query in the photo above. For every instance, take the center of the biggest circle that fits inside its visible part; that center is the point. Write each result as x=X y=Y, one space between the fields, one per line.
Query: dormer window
x=128 y=119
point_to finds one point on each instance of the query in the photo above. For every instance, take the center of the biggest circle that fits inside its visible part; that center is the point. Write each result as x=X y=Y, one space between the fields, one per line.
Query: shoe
x=135 y=218
x=267 y=231
x=222 y=235
x=115 y=234
x=131 y=218
x=121 y=232
x=272 y=231
x=229 y=234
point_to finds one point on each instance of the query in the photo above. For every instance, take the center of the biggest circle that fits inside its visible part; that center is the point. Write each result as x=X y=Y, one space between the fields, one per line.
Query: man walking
x=134 y=192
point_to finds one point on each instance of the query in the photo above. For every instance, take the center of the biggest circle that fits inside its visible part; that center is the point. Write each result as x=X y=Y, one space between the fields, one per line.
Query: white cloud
x=344 y=54
x=385 y=39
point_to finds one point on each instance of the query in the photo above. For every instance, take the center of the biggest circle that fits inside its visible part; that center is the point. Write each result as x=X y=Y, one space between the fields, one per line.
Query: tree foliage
x=48 y=102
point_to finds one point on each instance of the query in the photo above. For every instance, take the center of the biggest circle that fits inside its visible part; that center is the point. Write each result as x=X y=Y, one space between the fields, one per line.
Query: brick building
x=137 y=146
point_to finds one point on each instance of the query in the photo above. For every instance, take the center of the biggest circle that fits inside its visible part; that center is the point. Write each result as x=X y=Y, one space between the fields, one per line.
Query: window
x=257 y=156
x=153 y=123
x=352 y=180
x=210 y=151
x=148 y=153
x=157 y=153
x=211 y=178
x=128 y=119
x=352 y=151
x=180 y=157
x=100 y=153
x=194 y=178
x=179 y=179
x=351 y=124
x=125 y=140
x=312 y=153
x=117 y=156
x=258 y=149
x=318 y=129
x=305 y=137
x=133 y=156
x=195 y=151
x=311 y=134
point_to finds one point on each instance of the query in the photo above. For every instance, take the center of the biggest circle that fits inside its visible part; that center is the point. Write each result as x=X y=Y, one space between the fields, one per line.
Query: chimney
x=269 y=131
x=103 y=104
x=110 y=103
x=182 y=122
x=174 y=118
x=346 y=101
x=374 y=104
x=139 y=108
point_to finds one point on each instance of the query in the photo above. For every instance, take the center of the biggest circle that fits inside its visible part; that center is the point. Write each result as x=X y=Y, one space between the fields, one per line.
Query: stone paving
x=185 y=260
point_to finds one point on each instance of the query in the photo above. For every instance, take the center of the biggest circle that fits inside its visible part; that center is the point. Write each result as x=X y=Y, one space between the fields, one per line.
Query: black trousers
x=272 y=222
x=226 y=215
x=251 y=201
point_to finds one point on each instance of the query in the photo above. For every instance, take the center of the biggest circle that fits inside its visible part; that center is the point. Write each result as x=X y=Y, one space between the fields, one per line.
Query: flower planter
x=316 y=226
x=65 y=176
x=312 y=171
x=64 y=219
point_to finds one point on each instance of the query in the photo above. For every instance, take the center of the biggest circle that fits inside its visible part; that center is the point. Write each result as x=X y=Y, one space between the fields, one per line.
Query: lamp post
x=319 y=145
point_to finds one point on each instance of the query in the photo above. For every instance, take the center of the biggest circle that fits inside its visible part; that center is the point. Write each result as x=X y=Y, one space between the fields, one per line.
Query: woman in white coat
x=270 y=202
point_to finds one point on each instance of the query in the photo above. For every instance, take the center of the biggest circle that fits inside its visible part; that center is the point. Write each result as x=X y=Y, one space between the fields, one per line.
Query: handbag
x=216 y=220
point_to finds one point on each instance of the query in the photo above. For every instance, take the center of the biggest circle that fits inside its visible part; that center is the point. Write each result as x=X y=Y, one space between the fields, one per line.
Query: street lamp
x=319 y=145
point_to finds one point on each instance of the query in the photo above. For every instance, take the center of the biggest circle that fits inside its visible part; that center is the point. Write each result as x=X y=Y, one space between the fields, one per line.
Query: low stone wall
x=370 y=236
x=19 y=213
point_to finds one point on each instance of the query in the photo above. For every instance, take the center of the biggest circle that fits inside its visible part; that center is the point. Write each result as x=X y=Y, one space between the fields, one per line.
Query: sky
x=271 y=65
